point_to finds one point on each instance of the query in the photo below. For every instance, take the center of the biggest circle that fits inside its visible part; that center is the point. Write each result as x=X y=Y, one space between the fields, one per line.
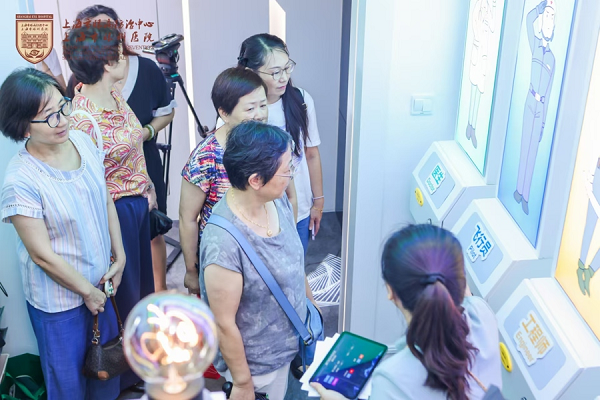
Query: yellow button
x=419 y=196
x=505 y=357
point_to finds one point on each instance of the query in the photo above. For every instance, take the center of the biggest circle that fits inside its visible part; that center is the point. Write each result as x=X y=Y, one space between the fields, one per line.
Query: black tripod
x=167 y=55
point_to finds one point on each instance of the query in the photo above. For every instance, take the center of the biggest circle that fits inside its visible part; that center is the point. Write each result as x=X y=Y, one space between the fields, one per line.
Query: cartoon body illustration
x=483 y=21
x=586 y=272
x=538 y=95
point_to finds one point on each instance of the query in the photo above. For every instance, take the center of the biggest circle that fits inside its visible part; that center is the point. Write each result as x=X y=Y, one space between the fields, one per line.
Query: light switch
x=422 y=105
x=427 y=106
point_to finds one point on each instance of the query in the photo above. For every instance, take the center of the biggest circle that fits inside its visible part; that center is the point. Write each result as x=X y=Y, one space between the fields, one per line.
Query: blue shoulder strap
x=265 y=274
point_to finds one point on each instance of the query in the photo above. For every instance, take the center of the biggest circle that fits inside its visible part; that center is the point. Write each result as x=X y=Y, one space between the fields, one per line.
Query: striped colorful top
x=126 y=173
x=73 y=207
x=205 y=169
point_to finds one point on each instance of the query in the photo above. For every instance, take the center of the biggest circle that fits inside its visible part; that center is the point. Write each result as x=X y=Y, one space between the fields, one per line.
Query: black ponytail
x=253 y=54
x=424 y=266
x=437 y=336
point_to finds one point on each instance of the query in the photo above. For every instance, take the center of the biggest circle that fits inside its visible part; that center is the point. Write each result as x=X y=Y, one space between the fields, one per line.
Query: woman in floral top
x=238 y=95
x=95 y=56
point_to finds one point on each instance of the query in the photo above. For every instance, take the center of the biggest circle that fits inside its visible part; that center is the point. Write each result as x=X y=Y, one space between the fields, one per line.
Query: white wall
x=19 y=338
x=406 y=48
x=313 y=38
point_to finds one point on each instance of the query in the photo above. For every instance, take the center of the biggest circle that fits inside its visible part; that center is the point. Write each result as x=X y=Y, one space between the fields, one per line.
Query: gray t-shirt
x=269 y=338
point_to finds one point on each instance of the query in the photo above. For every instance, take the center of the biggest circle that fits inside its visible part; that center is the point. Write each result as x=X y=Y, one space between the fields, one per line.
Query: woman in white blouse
x=55 y=195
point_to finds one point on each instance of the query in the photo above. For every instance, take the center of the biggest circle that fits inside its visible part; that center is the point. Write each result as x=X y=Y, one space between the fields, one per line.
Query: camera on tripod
x=167 y=54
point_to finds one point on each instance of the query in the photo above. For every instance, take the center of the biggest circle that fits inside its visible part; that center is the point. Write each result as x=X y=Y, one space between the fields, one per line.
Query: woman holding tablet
x=450 y=350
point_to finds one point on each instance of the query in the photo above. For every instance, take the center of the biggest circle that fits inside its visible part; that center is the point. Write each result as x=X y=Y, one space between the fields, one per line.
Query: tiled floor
x=328 y=241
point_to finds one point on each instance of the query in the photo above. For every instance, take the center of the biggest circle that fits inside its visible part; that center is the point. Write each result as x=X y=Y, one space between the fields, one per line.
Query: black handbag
x=105 y=361
x=159 y=223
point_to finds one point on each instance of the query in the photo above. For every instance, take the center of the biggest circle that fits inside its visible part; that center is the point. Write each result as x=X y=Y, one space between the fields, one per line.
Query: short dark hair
x=97 y=9
x=233 y=84
x=254 y=148
x=22 y=94
x=89 y=49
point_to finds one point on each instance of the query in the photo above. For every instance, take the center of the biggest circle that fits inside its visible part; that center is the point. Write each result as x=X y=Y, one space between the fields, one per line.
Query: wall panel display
x=479 y=78
x=542 y=53
x=579 y=255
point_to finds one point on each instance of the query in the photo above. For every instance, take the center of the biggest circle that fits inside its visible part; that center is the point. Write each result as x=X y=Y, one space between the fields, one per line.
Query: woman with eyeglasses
x=238 y=95
x=257 y=342
x=95 y=56
x=293 y=110
x=56 y=197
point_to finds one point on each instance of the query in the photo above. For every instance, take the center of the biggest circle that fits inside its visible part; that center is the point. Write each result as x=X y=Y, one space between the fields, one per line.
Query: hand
x=95 y=301
x=327 y=394
x=190 y=281
x=316 y=214
x=115 y=272
x=152 y=204
x=541 y=7
x=244 y=392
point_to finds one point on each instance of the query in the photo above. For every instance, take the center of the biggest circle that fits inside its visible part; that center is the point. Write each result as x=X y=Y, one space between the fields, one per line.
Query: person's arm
x=158 y=123
x=313 y=159
x=530 y=20
x=34 y=234
x=151 y=192
x=191 y=201
x=224 y=291
x=115 y=271
x=293 y=198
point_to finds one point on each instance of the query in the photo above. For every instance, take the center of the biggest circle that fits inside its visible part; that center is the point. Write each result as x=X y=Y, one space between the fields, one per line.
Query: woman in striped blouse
x=56 y=197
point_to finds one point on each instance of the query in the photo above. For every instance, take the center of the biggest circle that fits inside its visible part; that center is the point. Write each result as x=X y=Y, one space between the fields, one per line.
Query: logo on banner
x=532 y=341
x=34 y=36
x=435 y=179
x=481 y=244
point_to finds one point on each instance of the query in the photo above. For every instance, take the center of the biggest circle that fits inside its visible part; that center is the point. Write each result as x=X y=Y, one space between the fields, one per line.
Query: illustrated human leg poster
x=479 y=78
x=579 y=256
x=543 y=45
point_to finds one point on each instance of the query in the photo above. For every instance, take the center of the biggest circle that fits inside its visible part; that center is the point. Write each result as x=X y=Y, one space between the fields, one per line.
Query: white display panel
x=554 y=354
x=444 y=183
x=497 y=254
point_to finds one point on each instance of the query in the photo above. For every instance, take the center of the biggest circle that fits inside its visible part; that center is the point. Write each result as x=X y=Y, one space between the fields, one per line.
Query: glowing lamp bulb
x=170 y=339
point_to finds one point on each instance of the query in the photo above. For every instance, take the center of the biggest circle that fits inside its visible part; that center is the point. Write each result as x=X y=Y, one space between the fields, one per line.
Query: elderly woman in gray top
x=257 y=340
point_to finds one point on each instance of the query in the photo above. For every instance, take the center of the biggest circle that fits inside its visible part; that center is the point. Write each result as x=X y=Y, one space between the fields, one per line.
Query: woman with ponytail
x=452 y=337
x=293 y=110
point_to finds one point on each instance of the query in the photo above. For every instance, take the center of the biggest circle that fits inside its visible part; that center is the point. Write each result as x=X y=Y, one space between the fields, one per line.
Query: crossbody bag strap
x=97 y=131
x=265 y=274
x=481 y=385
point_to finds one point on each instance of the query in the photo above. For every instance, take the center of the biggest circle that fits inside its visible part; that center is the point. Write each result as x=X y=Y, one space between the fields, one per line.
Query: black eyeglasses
x=289 y=68
x=54 y=119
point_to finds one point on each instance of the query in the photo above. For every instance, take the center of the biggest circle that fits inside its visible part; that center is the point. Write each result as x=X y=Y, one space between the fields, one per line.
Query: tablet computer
x=349 y=364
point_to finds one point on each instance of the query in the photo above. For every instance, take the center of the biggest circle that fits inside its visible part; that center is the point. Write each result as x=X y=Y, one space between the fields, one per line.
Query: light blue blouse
x=402 y=376
x=73 y=207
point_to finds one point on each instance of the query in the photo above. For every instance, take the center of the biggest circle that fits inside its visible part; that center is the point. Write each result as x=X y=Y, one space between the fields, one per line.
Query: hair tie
x=242 y=61
x=433 y=278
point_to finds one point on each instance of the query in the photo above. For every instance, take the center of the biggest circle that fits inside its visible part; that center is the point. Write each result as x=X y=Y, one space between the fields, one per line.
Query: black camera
x=166 y=51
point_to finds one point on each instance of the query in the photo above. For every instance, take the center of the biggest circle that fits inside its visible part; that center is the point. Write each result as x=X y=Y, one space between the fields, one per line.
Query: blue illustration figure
x=538 y=96
x=585 y=273
x=483 y=22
